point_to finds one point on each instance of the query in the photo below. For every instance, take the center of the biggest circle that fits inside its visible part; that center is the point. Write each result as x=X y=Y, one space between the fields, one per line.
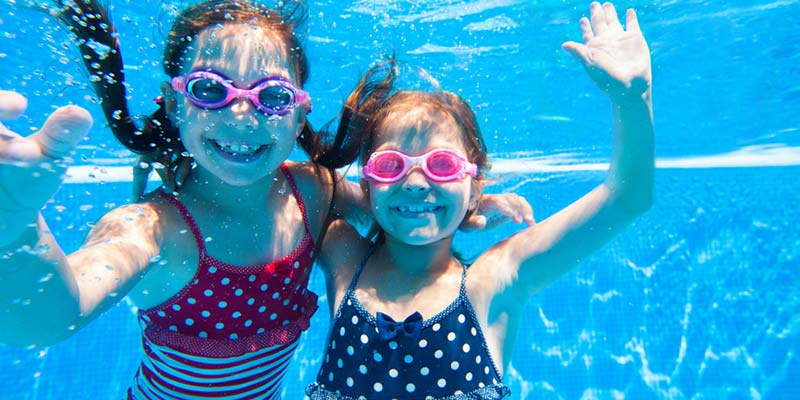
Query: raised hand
x=616 y=58
x=32 y=168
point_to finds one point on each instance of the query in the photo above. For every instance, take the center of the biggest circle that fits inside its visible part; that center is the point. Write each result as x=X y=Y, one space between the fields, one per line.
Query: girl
x=411 y=321
x=221 y=317
x=219 y=270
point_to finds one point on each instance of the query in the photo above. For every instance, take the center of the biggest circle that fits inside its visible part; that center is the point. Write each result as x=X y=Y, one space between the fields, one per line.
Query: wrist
x=15 y=226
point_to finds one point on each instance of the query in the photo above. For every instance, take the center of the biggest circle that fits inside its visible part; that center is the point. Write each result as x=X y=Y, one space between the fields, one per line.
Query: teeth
x=237 y=148
x=417 y=208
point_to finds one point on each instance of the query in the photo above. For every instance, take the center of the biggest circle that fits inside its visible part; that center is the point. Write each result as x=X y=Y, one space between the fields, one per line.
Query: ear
x=475 y=193
x=364 y=187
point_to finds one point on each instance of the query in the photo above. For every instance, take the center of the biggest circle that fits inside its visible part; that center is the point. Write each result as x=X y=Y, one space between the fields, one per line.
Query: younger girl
x=411 y=321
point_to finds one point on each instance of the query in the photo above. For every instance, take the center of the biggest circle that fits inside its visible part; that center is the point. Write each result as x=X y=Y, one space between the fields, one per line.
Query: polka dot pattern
x=227 y=303
x=446 y=360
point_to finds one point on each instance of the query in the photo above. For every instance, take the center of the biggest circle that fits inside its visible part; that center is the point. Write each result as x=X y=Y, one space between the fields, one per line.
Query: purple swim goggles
x=212 y=90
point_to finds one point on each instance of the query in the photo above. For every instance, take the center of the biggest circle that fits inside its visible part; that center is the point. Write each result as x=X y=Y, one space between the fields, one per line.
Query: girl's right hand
x=617 y=58
x=32 y=168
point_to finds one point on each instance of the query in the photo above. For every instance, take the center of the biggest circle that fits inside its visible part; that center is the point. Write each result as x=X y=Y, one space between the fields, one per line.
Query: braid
x=99 y=47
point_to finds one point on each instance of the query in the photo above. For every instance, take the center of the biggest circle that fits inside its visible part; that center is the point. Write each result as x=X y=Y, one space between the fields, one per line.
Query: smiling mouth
x=416 y=209
x=239 y=152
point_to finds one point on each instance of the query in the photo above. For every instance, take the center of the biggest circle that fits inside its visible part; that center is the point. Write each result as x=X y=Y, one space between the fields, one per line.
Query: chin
x=420 y=239
x=240 y=181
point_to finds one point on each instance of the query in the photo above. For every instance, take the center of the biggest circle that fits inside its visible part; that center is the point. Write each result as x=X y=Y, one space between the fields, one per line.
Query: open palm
x=31 y=168
x=616 y=58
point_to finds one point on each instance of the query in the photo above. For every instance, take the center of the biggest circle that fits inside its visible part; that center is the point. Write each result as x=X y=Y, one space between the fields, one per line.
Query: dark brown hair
x=375 y=98
x=90 y=23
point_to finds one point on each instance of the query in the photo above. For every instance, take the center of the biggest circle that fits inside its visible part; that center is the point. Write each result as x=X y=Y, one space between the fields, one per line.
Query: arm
x=49 y=295
x=618 y=61
x=46 y=295
x=342 y=251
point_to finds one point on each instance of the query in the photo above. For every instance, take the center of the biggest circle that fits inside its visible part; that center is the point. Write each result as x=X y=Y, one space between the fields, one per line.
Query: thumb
x=579 y=51
x=63 y=130
x=140 y=176
x=12 y=105
x=475 y=222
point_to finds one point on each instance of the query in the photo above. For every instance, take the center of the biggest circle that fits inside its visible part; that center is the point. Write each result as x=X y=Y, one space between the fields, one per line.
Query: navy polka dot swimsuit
x=375 y=357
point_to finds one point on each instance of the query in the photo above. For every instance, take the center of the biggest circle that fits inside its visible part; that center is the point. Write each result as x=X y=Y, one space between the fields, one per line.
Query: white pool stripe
x=753 y=156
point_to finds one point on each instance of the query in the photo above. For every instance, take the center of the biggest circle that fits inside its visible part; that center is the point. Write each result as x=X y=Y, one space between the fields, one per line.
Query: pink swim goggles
x=212 y=90
x=439 y=165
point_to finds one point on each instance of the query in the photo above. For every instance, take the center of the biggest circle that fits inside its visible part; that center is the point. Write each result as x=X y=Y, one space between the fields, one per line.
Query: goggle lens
x=388 y=165
x=207 y=90
x=276 y=97
x=443 y=164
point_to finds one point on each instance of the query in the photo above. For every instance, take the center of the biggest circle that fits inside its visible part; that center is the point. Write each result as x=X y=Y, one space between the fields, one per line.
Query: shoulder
x=314 y=182
x=342 y=249
x=491 y=274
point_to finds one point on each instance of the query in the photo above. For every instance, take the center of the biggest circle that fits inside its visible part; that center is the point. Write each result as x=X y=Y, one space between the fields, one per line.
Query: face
x=237 y=143
x=416 y=209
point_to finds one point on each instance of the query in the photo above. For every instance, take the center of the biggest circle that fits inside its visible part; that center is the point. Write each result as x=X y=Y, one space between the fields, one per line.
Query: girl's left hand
x=497 y=209
x=172 y=169
x=616 y=58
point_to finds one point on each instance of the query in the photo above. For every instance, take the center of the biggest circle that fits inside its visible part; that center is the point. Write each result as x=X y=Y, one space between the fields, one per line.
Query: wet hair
x=99 y=46
x=374 y=99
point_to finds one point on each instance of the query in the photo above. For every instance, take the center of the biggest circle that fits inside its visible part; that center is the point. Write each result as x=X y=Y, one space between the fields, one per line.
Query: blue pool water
x=699 y=299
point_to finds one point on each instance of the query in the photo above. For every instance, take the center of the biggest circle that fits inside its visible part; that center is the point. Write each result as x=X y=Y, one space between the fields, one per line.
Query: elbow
x=638 y=203
x=33 y=336
x=633 y=201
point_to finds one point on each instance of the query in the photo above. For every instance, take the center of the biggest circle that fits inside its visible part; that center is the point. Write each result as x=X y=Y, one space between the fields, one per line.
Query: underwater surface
x=698 y=299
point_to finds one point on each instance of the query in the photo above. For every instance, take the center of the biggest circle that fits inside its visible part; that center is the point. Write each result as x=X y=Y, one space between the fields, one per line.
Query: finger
x=631 y=21
x=182 y=170
x=478 y=222
x=586 y=30
x=12 y=105
x=170 y=179
x=14 y=150
x=473 y=223
x=611 y=17
x=598 y=19
x=141 y=173
x=527 y=214
x=579 y=51
x=63 y=130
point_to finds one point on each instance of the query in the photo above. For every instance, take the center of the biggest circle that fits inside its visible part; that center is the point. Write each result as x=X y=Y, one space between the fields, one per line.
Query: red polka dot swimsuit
x=244 y=321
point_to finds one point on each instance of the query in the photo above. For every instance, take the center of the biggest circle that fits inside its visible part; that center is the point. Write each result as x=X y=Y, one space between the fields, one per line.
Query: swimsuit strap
x=198 y=237
x=296 y=193
x=187 y=216
x=359 y=269
x=463 y=291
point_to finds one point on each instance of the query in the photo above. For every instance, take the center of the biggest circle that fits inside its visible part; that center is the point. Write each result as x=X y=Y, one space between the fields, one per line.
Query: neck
x=418 y=259
x=206 y=187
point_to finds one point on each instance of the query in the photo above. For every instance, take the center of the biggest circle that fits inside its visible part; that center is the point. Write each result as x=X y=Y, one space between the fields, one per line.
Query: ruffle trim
x=491 y=392
x=218 y=348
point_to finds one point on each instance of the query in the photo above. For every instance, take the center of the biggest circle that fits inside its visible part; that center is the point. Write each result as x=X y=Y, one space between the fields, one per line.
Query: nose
x=241 y=106
x=243 y=115
x=416 y=181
